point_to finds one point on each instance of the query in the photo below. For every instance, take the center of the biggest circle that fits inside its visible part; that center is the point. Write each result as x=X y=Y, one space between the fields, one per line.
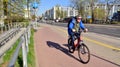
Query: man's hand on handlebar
x=85 y=30
x=73 y=30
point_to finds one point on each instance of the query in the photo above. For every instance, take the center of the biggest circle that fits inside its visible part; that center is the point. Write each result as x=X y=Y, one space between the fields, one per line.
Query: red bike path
x=51 y=51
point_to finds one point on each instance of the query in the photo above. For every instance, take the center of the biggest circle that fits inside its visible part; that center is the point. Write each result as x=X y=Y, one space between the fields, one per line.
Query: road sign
x=35 y=5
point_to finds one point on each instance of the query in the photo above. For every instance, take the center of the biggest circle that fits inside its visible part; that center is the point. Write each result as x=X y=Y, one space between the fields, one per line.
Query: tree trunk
x=5 y=7
x=92 y=4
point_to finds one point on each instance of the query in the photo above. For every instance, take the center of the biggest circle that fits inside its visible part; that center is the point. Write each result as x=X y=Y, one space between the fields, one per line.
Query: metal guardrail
x=24 y=36
x=8 y=35
x=8 y=31
x=24 y=40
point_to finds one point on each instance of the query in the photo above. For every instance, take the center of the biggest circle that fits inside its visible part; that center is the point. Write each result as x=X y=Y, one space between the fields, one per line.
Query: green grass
x=8 y=55
x=115 y=22
x=19 y=62
x=31 y=54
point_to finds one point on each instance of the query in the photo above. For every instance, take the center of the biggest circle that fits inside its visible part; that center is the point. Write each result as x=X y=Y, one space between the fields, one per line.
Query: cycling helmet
x=78 y=16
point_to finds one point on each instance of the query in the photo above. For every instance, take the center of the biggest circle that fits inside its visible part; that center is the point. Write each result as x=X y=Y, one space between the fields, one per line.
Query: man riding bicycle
x=74 y=28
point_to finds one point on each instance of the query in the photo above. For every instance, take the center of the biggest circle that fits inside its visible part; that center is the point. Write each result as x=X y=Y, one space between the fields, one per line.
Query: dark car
x=116 y=16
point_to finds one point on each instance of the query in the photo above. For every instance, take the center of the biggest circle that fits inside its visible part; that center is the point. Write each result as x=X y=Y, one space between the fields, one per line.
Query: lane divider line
x=94 y=41
x=100 y=43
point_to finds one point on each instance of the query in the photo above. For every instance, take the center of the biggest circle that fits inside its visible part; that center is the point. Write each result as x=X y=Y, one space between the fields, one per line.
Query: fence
x=7 y=39
x=24 y=41
x=6 y=35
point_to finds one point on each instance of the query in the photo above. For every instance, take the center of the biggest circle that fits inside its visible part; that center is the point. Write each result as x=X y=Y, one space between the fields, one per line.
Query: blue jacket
x=72 y=24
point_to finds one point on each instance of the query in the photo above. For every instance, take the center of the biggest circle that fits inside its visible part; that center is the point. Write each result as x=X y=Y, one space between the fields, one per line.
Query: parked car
x=116 y=16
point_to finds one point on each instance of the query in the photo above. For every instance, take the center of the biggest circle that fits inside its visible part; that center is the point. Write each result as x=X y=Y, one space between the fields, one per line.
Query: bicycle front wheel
x=84 y=53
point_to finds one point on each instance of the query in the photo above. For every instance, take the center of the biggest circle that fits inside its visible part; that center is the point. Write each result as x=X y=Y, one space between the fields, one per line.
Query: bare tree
x=63 y=14
x=58 y=11
x=99 y=13
x=60 y=14
x=79 y=5
x=92 y=4
x=15 y=8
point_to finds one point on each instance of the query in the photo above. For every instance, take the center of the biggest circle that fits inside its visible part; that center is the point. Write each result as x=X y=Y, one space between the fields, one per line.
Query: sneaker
x=71 y=50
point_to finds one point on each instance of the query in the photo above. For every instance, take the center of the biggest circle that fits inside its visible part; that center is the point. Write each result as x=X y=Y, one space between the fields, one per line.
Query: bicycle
x=83 y=50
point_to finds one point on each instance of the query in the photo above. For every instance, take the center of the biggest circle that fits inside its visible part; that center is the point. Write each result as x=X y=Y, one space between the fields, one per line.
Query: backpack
x=69 y=20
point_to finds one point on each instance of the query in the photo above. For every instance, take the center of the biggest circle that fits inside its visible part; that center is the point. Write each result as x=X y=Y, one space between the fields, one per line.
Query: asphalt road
x=51 y=51
x=112 y=30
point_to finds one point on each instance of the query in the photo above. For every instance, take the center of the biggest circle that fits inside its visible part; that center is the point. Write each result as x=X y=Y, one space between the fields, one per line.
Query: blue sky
x=48 y=4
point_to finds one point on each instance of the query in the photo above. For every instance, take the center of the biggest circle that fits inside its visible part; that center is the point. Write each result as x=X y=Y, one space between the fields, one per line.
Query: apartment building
x=68 y=11
x=114 y=7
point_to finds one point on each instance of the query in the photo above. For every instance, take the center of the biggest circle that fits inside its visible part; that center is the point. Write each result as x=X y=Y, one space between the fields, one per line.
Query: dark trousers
x=74 y=36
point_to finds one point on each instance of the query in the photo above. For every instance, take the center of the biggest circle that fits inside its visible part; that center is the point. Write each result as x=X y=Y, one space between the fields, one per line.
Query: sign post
x=35 y=6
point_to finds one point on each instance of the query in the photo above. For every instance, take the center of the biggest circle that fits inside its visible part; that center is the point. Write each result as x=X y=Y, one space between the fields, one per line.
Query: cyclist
x=75 y=25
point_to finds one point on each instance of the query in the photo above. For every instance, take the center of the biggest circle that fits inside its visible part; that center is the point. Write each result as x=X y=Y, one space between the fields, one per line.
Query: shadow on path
x=64 y=50
x=59 y=47
x=101 y=58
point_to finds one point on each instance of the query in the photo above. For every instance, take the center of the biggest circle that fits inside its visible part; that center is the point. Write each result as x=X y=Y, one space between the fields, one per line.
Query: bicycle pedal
x=71 y=51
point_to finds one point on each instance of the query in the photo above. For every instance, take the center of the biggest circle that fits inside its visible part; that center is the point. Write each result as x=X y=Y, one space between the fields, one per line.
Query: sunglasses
x=78 y=18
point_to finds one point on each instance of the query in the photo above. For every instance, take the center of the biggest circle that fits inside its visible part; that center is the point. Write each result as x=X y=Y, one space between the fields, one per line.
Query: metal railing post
x=28 y=34
x=24 y=52
x=8 y=26
x=1 y=29
x=13 y=60
x=26 y=41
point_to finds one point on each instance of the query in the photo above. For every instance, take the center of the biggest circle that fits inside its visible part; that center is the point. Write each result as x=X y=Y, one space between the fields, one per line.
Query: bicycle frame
x=80 y=46
x=78 y=39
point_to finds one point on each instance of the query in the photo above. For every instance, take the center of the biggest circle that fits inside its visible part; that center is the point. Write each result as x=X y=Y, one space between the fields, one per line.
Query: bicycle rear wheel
x=84 y=53
x=70 y=47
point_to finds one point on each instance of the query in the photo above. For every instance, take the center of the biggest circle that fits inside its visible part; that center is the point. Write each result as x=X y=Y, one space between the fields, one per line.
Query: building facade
x=67 y=12
x=114 y=7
